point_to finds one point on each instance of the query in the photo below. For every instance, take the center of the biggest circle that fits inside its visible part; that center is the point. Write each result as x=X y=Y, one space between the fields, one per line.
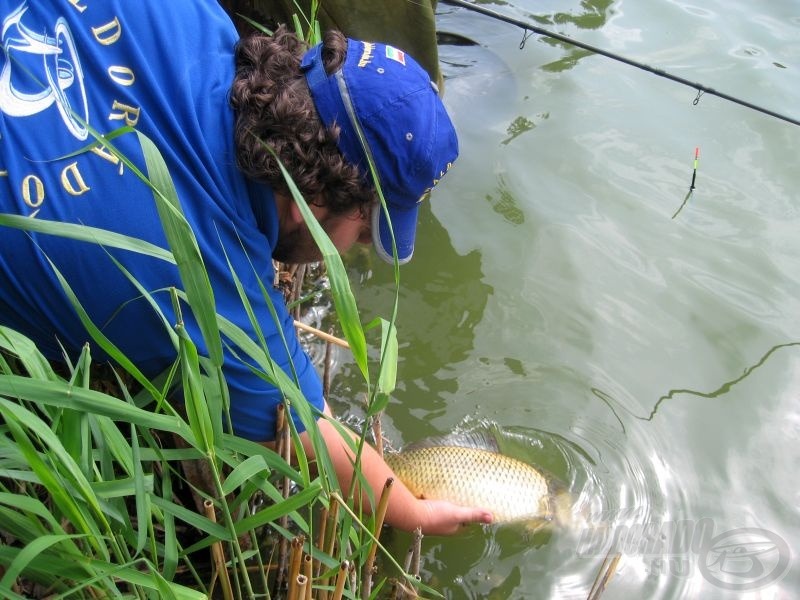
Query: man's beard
x=296 y=247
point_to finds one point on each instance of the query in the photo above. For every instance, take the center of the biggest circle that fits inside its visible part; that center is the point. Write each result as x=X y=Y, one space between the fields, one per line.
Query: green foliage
x=88 y=480
x=93 y=491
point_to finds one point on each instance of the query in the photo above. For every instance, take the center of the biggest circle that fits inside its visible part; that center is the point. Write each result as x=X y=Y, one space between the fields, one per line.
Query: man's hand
x=445 y=518
x=405 y=511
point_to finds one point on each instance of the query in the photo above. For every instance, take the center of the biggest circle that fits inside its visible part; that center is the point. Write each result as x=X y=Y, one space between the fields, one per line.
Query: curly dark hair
x=273 y=107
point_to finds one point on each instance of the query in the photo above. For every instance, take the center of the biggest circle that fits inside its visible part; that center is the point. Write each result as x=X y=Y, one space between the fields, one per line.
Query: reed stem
x=380 y=516
x=283 y=545
x=296 y=558
x=323 y=527
x=341 y=578
x=322 y=335
x=604 y=575
x=297 y=588
x=333 y=526
x=377 y=433
x=299 y=279
x=326 y=373
x=308 y=573
x=415 y=557
x=218 y=555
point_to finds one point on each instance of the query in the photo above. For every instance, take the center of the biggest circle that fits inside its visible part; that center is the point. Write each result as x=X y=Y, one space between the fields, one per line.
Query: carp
x=471 y=471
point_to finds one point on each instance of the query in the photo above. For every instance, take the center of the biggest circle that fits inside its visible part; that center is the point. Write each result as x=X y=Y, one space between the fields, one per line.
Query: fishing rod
x=527 y=26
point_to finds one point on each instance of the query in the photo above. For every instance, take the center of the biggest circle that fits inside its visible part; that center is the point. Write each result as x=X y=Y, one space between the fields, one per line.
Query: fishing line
x=528 y=28
x=691 y=185
x=685 y=200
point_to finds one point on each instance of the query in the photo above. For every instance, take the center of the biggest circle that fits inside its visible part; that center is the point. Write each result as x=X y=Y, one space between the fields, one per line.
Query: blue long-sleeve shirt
x=165 y=68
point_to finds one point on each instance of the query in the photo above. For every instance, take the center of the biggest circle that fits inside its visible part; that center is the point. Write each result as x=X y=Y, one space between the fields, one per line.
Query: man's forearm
x=405 y=511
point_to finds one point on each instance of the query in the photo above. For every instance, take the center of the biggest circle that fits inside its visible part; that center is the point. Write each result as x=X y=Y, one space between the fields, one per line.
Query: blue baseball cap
x=383 y=92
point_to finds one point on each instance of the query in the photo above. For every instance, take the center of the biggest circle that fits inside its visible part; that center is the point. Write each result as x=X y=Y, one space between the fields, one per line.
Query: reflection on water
x=618 y=501
x=504 y=203
x=725 y=387
x=594 y=16
x=440 y=312
x=518 y=126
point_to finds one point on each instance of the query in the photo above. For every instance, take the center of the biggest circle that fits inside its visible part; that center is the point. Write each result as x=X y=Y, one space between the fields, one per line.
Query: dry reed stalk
x=308 y=572
x=326 y=373
x=323 y=526
x=296 y=558
x=403 y=590
x=299 y=279
x=377 y=433
x=353 y=576
x=281 y=441
x=333 y=526
x=286 y=449
x=341 y=579
x=398 y=586
x=218 y=555
x=297 y=588
x=380 y=516
x=322 y=335
x=417 y=551
x=280 y=423
x=604 y=575
x=328 y=541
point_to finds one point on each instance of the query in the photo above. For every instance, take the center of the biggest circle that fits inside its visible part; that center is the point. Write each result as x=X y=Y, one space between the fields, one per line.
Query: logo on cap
x=366 y=55
x=395 y=54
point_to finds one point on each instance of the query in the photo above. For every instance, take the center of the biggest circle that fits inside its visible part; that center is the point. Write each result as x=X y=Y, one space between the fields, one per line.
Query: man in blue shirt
x=173 y=70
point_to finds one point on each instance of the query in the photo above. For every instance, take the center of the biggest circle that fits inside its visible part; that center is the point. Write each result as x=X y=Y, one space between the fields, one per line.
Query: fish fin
x=534 y=525
x=562 y=503
x=480 y=440
x=538 y=531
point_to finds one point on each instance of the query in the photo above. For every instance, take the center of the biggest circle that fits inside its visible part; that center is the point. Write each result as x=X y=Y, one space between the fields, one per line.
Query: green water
x=652 y=363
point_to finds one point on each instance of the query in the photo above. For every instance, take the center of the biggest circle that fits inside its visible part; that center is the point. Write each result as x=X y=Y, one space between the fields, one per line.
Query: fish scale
x=511 y=489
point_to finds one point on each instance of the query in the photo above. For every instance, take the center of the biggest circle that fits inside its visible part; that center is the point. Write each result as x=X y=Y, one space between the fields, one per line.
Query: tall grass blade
x=29 y=553
x=61 y=394
x=18 y=419
x=343 y=298
x=184 y=247
x=85 y=233
x=37 y=366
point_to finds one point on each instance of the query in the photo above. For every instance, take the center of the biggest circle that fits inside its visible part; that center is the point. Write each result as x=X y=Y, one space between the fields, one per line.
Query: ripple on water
x=757 y=55
x=642 y=499
x=745 y=50
x=622 y=491
x=746 y=298
x=695 y=11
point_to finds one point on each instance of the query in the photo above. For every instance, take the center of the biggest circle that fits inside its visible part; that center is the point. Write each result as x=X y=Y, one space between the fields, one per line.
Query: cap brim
x=404 y=225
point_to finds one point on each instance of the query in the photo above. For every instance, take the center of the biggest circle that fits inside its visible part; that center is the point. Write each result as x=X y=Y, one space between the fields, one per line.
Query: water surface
x=651 y=362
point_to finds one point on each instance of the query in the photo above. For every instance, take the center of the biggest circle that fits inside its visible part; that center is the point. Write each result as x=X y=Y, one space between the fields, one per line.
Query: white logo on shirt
x=59 y=79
